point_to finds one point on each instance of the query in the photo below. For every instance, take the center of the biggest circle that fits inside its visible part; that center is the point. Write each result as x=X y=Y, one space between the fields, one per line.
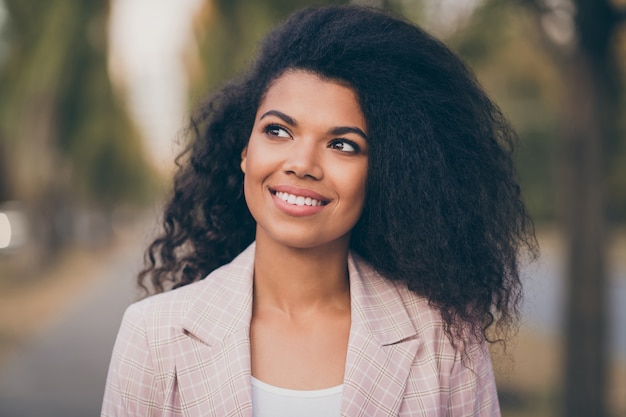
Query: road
x=544 y=300
x=61 y=372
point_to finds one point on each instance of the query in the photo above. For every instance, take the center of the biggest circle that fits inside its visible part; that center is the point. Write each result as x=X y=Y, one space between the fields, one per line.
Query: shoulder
x=394 y=300
x=458 y=377
x=234 y=277
x=164 y=308
x=464 y=365
x=166 y=316
x=155 y=322
x=396 y=295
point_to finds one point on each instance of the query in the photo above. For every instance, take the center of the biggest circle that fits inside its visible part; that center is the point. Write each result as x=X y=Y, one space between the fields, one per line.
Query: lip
x=299 y=192
x=295 y=210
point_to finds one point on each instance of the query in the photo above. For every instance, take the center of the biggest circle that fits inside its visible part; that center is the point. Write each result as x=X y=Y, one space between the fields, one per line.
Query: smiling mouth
x=298 y=200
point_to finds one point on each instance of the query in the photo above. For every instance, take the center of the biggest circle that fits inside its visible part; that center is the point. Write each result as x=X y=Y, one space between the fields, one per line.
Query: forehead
x=302 y=93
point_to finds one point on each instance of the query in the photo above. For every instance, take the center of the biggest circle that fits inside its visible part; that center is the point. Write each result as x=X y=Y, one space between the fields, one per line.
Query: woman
x=352 y=200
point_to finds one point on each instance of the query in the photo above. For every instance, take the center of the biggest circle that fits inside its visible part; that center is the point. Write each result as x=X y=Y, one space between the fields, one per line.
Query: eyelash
x=276 y=127
x=356 y=147
x=273 y=127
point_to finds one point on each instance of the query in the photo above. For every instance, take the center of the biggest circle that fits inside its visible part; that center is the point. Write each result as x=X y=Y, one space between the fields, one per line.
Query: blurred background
x=93 y=96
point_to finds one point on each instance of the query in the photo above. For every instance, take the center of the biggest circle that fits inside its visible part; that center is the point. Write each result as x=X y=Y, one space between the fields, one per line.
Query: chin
x=302 y=242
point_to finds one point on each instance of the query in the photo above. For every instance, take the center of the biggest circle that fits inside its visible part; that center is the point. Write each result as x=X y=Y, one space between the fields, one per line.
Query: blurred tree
x=580 y=35
x=71 y=142
x=526 y=84
x=5 y=193
x=553 y=66
x=228 y=32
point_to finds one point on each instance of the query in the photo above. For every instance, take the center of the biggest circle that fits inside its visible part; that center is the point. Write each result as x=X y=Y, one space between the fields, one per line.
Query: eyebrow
x=347 y=129
x=280 y=115
x=340 y=130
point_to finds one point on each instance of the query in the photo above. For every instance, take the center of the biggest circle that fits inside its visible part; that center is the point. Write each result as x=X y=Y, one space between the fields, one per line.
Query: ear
x=244 y=155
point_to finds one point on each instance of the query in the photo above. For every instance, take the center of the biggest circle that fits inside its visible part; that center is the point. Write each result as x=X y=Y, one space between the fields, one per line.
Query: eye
x=276 y=130
x=344 y=145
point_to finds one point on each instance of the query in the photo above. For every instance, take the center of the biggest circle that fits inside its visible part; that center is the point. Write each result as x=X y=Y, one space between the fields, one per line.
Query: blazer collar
x=213 y=360
x=377 y=304
x=223 y=304
x=381 y=347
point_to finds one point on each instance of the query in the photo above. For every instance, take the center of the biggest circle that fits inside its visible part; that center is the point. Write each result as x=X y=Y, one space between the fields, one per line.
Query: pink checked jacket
x=187 y=353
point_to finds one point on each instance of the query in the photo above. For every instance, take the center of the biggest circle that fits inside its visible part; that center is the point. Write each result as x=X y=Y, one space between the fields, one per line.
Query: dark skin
x=308 y=140
x=300 y=321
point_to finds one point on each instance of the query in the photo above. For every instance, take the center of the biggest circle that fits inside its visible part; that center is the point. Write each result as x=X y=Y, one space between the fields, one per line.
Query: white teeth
x=298 y=200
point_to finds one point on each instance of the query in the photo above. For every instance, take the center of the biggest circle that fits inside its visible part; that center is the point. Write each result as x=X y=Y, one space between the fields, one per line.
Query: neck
x=296 y=281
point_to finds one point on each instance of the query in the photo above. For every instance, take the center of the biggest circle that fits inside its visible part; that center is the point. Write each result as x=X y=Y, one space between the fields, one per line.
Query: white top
x=271 y=401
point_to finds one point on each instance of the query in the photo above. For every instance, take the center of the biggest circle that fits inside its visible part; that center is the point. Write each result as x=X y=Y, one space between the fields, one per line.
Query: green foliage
x=617 y=165
x=501 y=46
x=228 y=32
x=60 y=117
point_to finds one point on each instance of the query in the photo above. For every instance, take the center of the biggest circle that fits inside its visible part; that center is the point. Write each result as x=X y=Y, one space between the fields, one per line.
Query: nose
x=303 y=160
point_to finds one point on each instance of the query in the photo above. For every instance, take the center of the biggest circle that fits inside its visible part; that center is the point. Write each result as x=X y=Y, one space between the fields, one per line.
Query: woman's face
x=306 y=162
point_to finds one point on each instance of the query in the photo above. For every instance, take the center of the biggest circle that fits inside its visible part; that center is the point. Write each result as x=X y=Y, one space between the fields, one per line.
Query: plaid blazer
x=187 y=353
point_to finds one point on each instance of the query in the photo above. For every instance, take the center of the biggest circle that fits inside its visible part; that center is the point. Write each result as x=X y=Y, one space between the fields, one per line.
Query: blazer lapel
x=213 y=364
x=381 y=347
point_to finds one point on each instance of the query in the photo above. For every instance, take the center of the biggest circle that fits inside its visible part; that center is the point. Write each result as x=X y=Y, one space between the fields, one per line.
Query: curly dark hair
x=443 y=211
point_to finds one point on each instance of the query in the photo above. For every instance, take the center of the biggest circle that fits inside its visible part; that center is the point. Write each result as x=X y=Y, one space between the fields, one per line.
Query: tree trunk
x=591 y=121
x=585 y=231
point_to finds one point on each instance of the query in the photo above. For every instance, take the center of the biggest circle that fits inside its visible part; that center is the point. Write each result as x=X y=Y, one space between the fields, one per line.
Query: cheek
x=256 y=156
x=253 y=197
x=248 y=163
x=254 y=166
x=362 y=188
x=354 y=189
x=360 y=197
x=253 y=174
